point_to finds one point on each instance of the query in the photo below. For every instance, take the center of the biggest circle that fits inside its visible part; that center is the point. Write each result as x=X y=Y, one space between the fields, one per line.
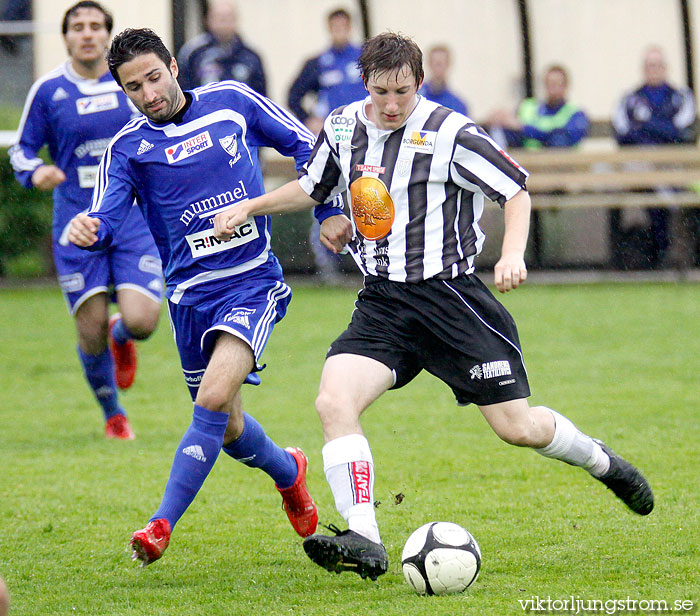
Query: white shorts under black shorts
x=454 y=329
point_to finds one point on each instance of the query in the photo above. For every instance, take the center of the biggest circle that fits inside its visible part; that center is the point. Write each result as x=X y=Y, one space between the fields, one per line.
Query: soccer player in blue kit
x=76 y=109
x=190 y=156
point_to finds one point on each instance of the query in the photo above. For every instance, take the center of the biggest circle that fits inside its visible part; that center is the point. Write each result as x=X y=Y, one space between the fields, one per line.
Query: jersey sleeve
x=112 y=197
x=479 y=165
x=277 y=128
x=321 y=177
x=31 y=137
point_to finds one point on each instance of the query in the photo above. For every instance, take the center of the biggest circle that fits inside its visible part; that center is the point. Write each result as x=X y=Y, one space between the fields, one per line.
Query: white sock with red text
x=574 y=447
x=347 y=462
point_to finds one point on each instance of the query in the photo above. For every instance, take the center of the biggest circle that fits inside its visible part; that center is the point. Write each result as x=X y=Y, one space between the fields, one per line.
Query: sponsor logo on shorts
x=193 y=377
x=189 y=147
x=420 y=141
x=205 y=243
x=491 y=370
x=95 y=104
x=240 y=316
x=72 y=283
x=359 y=477
x=150 y=265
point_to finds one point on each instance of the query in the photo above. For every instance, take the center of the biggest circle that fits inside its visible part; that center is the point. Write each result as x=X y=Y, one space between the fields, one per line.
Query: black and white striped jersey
x=416 y=193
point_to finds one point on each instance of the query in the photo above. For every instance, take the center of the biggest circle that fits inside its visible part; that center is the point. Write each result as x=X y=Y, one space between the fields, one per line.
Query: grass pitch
x=622 y=361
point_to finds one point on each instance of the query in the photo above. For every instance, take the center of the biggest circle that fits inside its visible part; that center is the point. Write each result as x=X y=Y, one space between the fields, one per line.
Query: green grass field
x=622 y=361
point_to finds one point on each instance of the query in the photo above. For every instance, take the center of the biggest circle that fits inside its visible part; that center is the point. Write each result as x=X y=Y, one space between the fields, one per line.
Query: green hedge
x=25 y=226
x=25 y=231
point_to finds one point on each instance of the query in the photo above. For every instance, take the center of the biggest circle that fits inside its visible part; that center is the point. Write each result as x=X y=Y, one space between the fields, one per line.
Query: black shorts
x=455 y=329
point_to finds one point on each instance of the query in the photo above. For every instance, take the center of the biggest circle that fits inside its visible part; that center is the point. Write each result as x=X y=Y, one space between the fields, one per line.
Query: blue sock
x=99 y=372
x=194 y=458
x=256 y=449
x=120 y=334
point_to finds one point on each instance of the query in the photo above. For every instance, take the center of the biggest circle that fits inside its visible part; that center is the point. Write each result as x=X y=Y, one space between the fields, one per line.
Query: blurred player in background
x=435 y=87
x=326 y=82
x=418 y=174
x=76 y=109
x=220 y=52
x=190 y=156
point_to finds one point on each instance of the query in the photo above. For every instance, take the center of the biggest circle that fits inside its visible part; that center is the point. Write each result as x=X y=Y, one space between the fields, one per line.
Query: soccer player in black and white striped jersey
x=416 y=175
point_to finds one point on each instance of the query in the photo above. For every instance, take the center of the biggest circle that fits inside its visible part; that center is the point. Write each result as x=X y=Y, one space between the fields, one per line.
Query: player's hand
x=509 y=272
x=336 y=231
x=83 y=230
x=47 y=177
x=226 y=222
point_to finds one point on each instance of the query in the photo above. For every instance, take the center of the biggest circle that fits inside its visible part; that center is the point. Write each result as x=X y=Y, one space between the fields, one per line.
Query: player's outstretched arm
x=336 y=231
x=289 y=197
x=510 y=271
x=83 y=230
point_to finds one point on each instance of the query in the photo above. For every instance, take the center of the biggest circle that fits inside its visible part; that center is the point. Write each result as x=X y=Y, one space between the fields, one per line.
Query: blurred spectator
x=435 y=86
x=655 y=113
x=220 y=53
x=333 y=80
x=551 y=123
x=14 y=10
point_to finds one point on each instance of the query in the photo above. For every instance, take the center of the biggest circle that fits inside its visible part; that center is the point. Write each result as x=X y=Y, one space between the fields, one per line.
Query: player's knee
x=214 y=397
x=519 y=434
x=141 y=326
x=92 y=335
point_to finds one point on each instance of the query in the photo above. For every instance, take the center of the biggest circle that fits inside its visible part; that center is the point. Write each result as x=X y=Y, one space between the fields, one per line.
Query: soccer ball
x=440 y=558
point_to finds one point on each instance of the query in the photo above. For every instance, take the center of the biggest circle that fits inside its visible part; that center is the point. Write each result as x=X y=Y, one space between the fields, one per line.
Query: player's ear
x=174 y=69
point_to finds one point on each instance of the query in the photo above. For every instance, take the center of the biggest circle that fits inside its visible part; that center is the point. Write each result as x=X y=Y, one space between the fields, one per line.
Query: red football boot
x=124 y=357
x=117 y=426
x=300 y=507
x=148 y=544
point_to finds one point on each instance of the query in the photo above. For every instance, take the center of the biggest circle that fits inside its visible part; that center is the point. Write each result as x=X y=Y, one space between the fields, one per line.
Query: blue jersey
x=184 y=172
x=444 y=97
x=335 y=79
x=655 y=114
x=76 y=118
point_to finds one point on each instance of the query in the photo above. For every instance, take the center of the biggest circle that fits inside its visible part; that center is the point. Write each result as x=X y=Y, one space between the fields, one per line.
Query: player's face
x=87 y=37
x=393 y=97
x=152 y=86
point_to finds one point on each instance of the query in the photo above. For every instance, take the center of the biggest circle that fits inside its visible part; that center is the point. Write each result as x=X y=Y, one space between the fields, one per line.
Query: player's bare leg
x=349 y=384
x=554 y=436
x=137 y=320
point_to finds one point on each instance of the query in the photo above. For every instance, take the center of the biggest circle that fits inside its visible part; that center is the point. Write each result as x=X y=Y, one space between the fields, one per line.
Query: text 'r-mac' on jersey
x=417 y=193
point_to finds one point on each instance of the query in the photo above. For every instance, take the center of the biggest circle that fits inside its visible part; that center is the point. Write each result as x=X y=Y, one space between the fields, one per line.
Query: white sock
x=572 y=446
x=347 y=462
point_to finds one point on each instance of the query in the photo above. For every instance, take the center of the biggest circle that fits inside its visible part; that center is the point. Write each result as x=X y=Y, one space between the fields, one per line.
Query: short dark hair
x=390 y=52
x=339 y=13
x=134 y=42
x=87 y=4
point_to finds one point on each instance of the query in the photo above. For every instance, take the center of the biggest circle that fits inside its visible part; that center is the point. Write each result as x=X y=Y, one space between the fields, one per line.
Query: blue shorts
x=248 y=309
x=131 y=262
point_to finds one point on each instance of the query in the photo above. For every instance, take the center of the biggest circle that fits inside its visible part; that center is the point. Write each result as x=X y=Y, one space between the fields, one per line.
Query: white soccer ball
x=441 y=558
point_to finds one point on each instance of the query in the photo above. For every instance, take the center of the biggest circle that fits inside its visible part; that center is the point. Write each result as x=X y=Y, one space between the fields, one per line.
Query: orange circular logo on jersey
x=372 y=207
